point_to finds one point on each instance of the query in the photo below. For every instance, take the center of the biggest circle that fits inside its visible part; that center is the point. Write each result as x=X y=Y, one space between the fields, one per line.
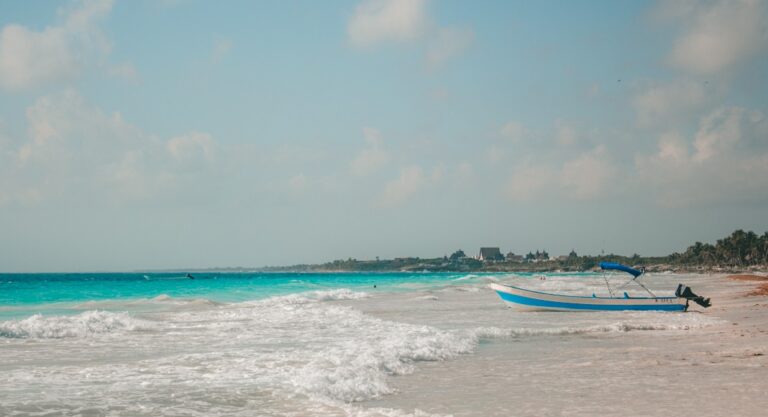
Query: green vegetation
x=738 y=251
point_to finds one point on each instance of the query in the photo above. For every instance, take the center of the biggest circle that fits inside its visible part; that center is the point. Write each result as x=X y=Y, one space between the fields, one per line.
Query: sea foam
x=305 y=344
x=638 y=322
x=85 y=324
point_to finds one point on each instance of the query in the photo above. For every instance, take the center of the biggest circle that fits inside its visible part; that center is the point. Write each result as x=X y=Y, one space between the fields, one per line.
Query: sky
x=189 y=134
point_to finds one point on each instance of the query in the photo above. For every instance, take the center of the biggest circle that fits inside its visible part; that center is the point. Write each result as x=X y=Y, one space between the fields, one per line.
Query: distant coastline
x=739 y=252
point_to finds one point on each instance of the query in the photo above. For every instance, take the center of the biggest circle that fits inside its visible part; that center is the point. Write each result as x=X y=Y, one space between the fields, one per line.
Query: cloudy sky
x=181 y=133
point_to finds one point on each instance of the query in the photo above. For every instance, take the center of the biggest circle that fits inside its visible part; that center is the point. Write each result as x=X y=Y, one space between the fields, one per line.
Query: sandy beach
x=719 y=369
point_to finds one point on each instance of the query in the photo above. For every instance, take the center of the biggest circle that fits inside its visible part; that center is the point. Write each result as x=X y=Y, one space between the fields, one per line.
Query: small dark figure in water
x=190 y=276
x=374 y=285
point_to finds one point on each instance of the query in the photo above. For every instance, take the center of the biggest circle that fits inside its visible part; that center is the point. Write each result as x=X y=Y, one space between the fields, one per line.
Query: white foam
x=357 y=369
x=162 y=300
x=310 y=297
x=339 y=294
x=466 y=277
x=637 y=322
x=295 y=344
x=86 y=324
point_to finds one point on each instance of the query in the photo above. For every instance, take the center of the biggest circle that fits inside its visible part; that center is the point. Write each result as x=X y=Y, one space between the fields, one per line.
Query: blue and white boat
x=529 y=300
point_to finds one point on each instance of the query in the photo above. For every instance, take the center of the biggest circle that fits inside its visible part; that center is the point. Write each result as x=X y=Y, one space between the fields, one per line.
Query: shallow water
x=315 y=344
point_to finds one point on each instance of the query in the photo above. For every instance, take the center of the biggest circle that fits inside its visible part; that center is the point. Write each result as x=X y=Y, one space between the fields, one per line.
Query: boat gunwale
x=584 y=296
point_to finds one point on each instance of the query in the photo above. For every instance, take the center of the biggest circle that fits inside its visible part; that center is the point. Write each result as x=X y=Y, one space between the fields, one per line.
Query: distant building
x=562 y=258
x=490 y=254
x=537 y=257
x=511 y=257
x=406 y=260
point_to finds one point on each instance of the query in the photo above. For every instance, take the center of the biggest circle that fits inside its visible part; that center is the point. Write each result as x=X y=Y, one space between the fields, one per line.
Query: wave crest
x=309 y=297
x=358 y=370
x=85 y=324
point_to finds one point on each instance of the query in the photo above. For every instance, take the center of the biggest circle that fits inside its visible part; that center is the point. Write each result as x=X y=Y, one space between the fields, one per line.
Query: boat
x=528 y=300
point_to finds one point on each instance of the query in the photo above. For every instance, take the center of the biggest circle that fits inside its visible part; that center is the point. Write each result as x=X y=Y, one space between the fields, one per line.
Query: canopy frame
x=636 y=273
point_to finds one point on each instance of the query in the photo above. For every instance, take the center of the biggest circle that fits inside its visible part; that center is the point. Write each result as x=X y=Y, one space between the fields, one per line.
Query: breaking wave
x=466 y=277
x=160 y=300
x=310 y=297
x=85 y=324
x=358 y=369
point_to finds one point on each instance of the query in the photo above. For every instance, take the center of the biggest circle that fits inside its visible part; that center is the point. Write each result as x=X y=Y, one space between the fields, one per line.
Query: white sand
x=717 y=369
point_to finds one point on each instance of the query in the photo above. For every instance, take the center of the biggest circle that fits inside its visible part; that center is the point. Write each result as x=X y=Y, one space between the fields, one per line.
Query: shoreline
x=451 y=349
x=553 y=266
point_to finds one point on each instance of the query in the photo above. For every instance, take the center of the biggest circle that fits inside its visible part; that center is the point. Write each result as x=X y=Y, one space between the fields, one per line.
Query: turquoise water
x=25 y=294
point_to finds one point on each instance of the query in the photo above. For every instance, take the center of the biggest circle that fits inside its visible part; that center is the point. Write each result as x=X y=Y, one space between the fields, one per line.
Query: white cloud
x=29 y=58
x=377 y=21
x=446 y=44
x=719 y=132
x=566 y=135
x=581 y=178
x=124 y=71
x=665 y=103
x=381 y=21
x=372 y=158
x=514 y=131
x=495 y=154
x=438 y=173
x=726 y=160
x=587 y=176
x=64 y=126
x=465 y=171
x=531 y=182
x=298 y=183
x=718 y=35
x=193 y=147
x=397 y=191
x=73 y=147
x=81 y=14
x=672 y=148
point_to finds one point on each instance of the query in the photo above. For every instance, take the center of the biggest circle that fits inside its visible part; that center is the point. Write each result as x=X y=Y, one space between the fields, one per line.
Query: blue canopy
x=620 y=267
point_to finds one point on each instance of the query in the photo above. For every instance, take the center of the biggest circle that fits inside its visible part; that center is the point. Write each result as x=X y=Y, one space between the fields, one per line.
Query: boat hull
x=528 y=300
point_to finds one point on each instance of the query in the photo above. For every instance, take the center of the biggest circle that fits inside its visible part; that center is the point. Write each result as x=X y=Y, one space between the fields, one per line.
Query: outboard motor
x=685 y=292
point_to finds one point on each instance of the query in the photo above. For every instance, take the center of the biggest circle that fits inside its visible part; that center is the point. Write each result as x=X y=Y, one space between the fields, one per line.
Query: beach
x=715 y=363
x=428 y=344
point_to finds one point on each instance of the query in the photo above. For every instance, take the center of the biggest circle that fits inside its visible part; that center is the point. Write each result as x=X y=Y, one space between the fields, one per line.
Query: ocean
x=332 y=344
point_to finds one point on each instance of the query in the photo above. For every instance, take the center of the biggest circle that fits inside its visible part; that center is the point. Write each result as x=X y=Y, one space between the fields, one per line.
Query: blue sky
x=180 y=133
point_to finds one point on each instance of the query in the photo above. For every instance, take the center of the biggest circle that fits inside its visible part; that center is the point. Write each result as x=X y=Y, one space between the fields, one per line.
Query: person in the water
x=190 y=276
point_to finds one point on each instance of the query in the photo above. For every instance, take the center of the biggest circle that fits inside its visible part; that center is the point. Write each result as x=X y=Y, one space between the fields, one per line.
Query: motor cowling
x=684 y=291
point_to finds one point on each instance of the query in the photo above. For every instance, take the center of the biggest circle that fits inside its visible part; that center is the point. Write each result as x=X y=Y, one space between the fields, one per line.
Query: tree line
x=739 y=249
